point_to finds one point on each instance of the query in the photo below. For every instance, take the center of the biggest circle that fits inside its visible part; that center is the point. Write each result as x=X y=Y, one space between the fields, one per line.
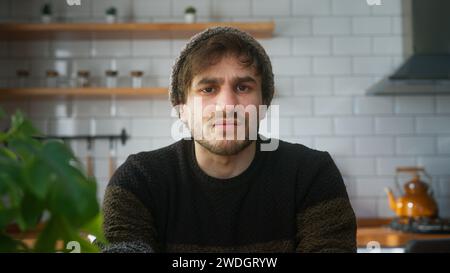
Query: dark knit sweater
x=287 y=200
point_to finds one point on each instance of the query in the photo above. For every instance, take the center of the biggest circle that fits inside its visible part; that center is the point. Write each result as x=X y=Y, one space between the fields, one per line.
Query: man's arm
x=128 y=223
x=326 y=221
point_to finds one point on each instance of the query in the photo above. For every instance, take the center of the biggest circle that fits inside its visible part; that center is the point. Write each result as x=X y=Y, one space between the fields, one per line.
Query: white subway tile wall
x=335 y=145
x=325 y=54
x=312 y=46
x=312 y=86
x=414 y=105
x=352 y=46
x=331 y=25
x=311 y=7
x=443 y=104
x=267 y=8
x=203 y=7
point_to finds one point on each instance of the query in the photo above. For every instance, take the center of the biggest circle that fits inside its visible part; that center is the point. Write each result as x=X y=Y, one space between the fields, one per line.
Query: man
x=222 y=194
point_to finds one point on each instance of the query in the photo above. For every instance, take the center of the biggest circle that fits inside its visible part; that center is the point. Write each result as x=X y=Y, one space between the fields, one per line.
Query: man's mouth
x=227 y=123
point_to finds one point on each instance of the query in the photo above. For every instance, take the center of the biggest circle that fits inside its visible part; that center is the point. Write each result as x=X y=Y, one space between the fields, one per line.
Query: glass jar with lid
x=23 y=77
x=51 y=78
x=83 y=78
x=111 y=78
x=136 y=78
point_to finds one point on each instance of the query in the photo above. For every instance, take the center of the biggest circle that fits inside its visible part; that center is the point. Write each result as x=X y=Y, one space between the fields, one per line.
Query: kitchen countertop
x=369 y=230
x=376 y=230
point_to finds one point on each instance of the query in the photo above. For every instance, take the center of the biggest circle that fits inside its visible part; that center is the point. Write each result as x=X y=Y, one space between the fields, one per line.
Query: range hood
x=427 y=50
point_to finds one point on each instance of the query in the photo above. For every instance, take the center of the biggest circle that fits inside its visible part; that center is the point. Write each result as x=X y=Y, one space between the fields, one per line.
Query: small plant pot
x=110 y=19
x=45 y=18
x=190 y=18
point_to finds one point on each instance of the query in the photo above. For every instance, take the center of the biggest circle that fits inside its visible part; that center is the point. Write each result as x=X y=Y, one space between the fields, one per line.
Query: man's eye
x=242 y=88
x=208 y=90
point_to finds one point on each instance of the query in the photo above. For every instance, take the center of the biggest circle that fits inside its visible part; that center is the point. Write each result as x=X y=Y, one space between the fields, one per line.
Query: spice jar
x=136 y=78
x=22 y=78
x=51 y=78
x=83 y=78
x=111 y=78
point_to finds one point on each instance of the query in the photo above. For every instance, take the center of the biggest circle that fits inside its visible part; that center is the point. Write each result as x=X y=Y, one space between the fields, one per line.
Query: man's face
x=223 y=91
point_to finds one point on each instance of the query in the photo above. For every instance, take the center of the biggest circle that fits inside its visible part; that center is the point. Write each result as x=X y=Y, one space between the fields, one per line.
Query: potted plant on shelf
x=43 y=190
x=111 y=15
x=46 y=13
x=190 y=14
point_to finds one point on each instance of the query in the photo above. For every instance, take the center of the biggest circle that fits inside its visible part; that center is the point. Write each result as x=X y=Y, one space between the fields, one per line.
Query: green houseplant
x=111 y=14
x=46 y=13
x=190 y=14
x=44 y=177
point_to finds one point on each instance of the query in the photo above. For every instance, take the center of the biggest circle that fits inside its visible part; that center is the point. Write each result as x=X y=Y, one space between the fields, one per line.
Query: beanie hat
x=175 y=92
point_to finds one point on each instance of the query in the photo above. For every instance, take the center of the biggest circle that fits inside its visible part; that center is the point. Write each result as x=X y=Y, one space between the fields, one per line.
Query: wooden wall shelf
x=81 y=92
x=36 y=31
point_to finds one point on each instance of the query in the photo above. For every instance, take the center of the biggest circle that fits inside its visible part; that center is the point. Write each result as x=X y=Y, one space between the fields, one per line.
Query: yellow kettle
x=417 y=199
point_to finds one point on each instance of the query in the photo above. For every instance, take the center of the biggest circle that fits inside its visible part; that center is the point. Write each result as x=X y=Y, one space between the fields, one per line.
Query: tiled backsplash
x=325 y=54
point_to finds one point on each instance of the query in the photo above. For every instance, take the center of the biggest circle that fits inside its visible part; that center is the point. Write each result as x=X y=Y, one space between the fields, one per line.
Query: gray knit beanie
x=176 y=95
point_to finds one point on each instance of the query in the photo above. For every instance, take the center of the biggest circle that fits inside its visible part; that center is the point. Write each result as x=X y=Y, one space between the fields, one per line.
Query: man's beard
x=225 y=146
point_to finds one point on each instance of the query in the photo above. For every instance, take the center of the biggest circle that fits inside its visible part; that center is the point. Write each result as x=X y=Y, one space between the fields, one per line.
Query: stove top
x=421 y=225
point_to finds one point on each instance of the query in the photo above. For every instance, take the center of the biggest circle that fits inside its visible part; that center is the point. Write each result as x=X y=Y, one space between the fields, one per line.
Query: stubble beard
x=225 y=146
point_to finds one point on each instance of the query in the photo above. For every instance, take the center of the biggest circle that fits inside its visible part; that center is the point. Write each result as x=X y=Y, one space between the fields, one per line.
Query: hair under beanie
x=176 y=95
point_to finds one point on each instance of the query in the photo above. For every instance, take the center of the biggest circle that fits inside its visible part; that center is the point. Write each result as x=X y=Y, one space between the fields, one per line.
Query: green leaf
x=32 y=210
x=24 y=148
x=7 y=244
x=10 y=165
x=70 y=234
x=14 y=191
x=38 y=177
x=17 y=119
x=88 y=247
x=76 y=198
x=95 y=228
x=8 y=154
x=2 y=134
x=2 y=113
x=20 y=220
x=47 y=239
x=7 y=215
x=72 y=193
x=57 y=152
x=21 y=127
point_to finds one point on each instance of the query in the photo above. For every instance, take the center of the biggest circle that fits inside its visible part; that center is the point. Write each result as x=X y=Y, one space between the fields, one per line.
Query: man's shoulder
x=160 y=160
x=319 y=176
x=299 y=157
x=147 y=166
x=160 y=155
x=299 y=151
x=293 y=159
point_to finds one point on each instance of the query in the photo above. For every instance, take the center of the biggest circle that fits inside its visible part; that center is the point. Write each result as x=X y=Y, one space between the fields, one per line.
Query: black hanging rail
x=123 y=137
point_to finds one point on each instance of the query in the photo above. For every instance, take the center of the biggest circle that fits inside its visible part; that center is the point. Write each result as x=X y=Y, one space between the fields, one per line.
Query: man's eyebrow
x=220 y=81
x=210 y=81
x=245 y=79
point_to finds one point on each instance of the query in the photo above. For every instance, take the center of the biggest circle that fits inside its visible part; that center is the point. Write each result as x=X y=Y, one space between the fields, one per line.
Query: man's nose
x=226 y=96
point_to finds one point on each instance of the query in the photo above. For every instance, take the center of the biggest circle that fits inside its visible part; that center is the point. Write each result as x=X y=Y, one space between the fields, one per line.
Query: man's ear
x=183 y=112
x=262 y=111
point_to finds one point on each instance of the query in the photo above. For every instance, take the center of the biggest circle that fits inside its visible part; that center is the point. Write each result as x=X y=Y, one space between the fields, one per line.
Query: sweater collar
x=242 y=178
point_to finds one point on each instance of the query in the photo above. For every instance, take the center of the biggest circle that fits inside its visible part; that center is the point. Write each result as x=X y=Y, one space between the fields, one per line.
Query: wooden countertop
x=369 y=229
x=377 y=230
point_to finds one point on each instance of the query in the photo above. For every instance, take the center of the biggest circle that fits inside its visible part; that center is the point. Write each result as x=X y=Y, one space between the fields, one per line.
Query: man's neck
x=223 y=167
